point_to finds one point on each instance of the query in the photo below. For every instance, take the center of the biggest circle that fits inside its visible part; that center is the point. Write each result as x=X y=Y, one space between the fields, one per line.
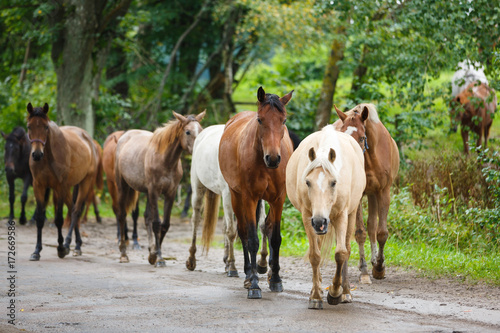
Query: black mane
x=274 y=102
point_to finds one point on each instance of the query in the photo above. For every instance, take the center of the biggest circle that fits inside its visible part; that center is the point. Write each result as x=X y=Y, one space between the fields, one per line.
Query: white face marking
x=319 y=181
x=350 y=130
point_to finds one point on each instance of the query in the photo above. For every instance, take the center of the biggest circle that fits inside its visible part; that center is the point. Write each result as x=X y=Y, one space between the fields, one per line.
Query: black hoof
x=152 y=259
x=315 y=304
x=191 y=264
x=333 y=300
x=61 y=252
x=254 y=294
x=35 y=257
x=22 y=221
x=276 y=286
x=261 y=269
x=232 y=274
x=66 y=250
x=378 y=274
x=99 y=220
x=77 y=253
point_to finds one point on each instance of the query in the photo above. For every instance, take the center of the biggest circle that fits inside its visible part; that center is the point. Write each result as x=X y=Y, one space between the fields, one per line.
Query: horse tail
x=326 y=245
x=212 y=202
x=131 y=200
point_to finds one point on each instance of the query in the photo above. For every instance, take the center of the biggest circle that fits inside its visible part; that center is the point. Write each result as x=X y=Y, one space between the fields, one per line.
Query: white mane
x=466 y=74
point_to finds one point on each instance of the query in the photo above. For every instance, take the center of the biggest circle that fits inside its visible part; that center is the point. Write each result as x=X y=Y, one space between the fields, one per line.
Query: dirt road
x=95 y=293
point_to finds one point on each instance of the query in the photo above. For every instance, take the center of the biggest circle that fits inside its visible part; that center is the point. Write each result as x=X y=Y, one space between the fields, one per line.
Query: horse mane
x=17 y=133
x=164 y=136
x=38 y=112
x=372 y=112
x=273 y=101
x=321 y=160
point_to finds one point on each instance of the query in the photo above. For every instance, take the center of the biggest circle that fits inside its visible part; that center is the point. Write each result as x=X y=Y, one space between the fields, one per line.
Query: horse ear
x=312 y=154
x=261 y=95
x=180 y=117
x=341 y=114
x=45 y=108
x=331 y=155
x=30 y=108
x=201 y=115
x=285 y=99
x=364 y=113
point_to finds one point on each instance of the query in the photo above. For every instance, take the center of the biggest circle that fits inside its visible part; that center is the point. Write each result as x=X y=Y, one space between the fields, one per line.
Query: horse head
x=321 y=181
x=190 y=128
x=14 y=143
x=271 y=117
x=38 y=129
x=354 y=124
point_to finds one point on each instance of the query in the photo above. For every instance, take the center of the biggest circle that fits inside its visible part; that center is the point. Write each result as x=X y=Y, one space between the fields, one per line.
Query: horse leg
x=383 y=200
x=361 y=239
x=261 y=218
x=70 y=203
x=12 y=196
x=154 y=224
x=465 y=139
x=197 y=203
x=24 y=198
x=84 y=188
x=135 y=237
x=188 y=201
x=335 y=290
x=123 y=196
x=316 y=296
x=167 y=209
x=346 y=286
x=40 y=220
x=229 y=236
x=273 y=222
x=96 y=209
x=372 y=226
x=59 y=221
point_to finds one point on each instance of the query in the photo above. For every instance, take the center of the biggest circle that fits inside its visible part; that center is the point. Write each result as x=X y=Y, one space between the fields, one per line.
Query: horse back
x=108 y=155
x=82 y=152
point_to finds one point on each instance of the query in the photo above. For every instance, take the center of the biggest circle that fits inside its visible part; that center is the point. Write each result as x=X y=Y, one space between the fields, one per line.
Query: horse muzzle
x=37 y=155
x=272 y=162
x=320 y=225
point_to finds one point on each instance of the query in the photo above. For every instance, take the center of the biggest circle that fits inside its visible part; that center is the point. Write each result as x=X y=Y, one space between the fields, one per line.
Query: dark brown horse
x=381 y=167
x=17 y=155
x=61 y=157
x=253 y=154
x=150 y=163
x=108 y=160
x=473 y=109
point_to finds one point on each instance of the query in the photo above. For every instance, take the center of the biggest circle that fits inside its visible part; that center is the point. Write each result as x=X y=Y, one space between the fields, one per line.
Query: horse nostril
x=267 y=158
x=279 y=159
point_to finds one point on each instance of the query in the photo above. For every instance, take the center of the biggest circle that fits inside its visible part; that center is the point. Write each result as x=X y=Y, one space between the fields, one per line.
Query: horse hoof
x=261 y=269
x=254 y=294
x=77 y=253
x=66 y=250
x=160 y=263
x=333 y=300
x=232 y=274
x=276 y=286
x=124 y=259
x=191 y=264
x=247 y=284
x=22 y=221
x=35 y=257
x=378 y=274
x=365 y=279
x=136 y=247
x=315 y=304
x=152 y=259
x=346 y=298
x=99 y=220
x=61 y=252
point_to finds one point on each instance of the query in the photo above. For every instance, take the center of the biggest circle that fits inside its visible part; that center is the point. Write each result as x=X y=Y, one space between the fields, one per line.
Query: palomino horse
x=207 y=182
x=253 y=154
x=150 y=163
x=325 y=180
x=17 y=155
x=381 y=167
x=61 y=157
x=473 y=109
x=108 y=161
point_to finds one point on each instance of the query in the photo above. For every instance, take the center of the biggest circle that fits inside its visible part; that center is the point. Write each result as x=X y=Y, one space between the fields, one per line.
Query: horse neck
x=173 y=152
x=372 y=135
x=56 y=140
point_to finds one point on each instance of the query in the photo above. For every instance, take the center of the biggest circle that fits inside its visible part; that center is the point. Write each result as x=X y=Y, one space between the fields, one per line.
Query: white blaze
x=319 y=181
x=350 y=130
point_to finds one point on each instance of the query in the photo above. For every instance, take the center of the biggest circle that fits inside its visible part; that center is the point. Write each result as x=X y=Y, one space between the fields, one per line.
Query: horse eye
x=46 y=127
x=284 y=121
x=260 y=121
x=333 y=183
x=188 y=133
x=308 y=183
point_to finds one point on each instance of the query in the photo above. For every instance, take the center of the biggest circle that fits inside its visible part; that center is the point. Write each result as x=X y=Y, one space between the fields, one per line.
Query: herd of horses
x=248 y=160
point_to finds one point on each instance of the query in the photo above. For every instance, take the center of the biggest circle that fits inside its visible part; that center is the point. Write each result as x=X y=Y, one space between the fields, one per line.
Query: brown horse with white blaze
x=253 y=154
x=61 y=157
x=381 y=167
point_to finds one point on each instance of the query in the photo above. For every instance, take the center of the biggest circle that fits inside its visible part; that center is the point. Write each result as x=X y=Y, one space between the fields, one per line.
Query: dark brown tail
x=99 y=182
x=211 y=214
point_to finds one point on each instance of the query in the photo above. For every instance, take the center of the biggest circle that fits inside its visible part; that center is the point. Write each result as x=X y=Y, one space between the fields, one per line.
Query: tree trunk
x=330 y=80
x=359 y=74
x=227 y=56
x=25 y=62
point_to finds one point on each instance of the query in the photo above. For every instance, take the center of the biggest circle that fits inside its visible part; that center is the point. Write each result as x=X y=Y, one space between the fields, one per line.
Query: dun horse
x=17 y=155
x=473 y=109
x=61 y=157
x=381 y=167
x=108 y=160
x=253 y=154
x=207 y=182
x=325 y=180
x=150 y=163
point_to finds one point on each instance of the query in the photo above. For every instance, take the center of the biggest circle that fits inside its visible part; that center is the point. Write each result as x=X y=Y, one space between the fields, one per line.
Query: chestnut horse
x=325 y=180
x=108 y=161
x=381 y=167
x=473 y=109
x=253 y=154
x=17 y=155
x=61 y=157
x=150 y=163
